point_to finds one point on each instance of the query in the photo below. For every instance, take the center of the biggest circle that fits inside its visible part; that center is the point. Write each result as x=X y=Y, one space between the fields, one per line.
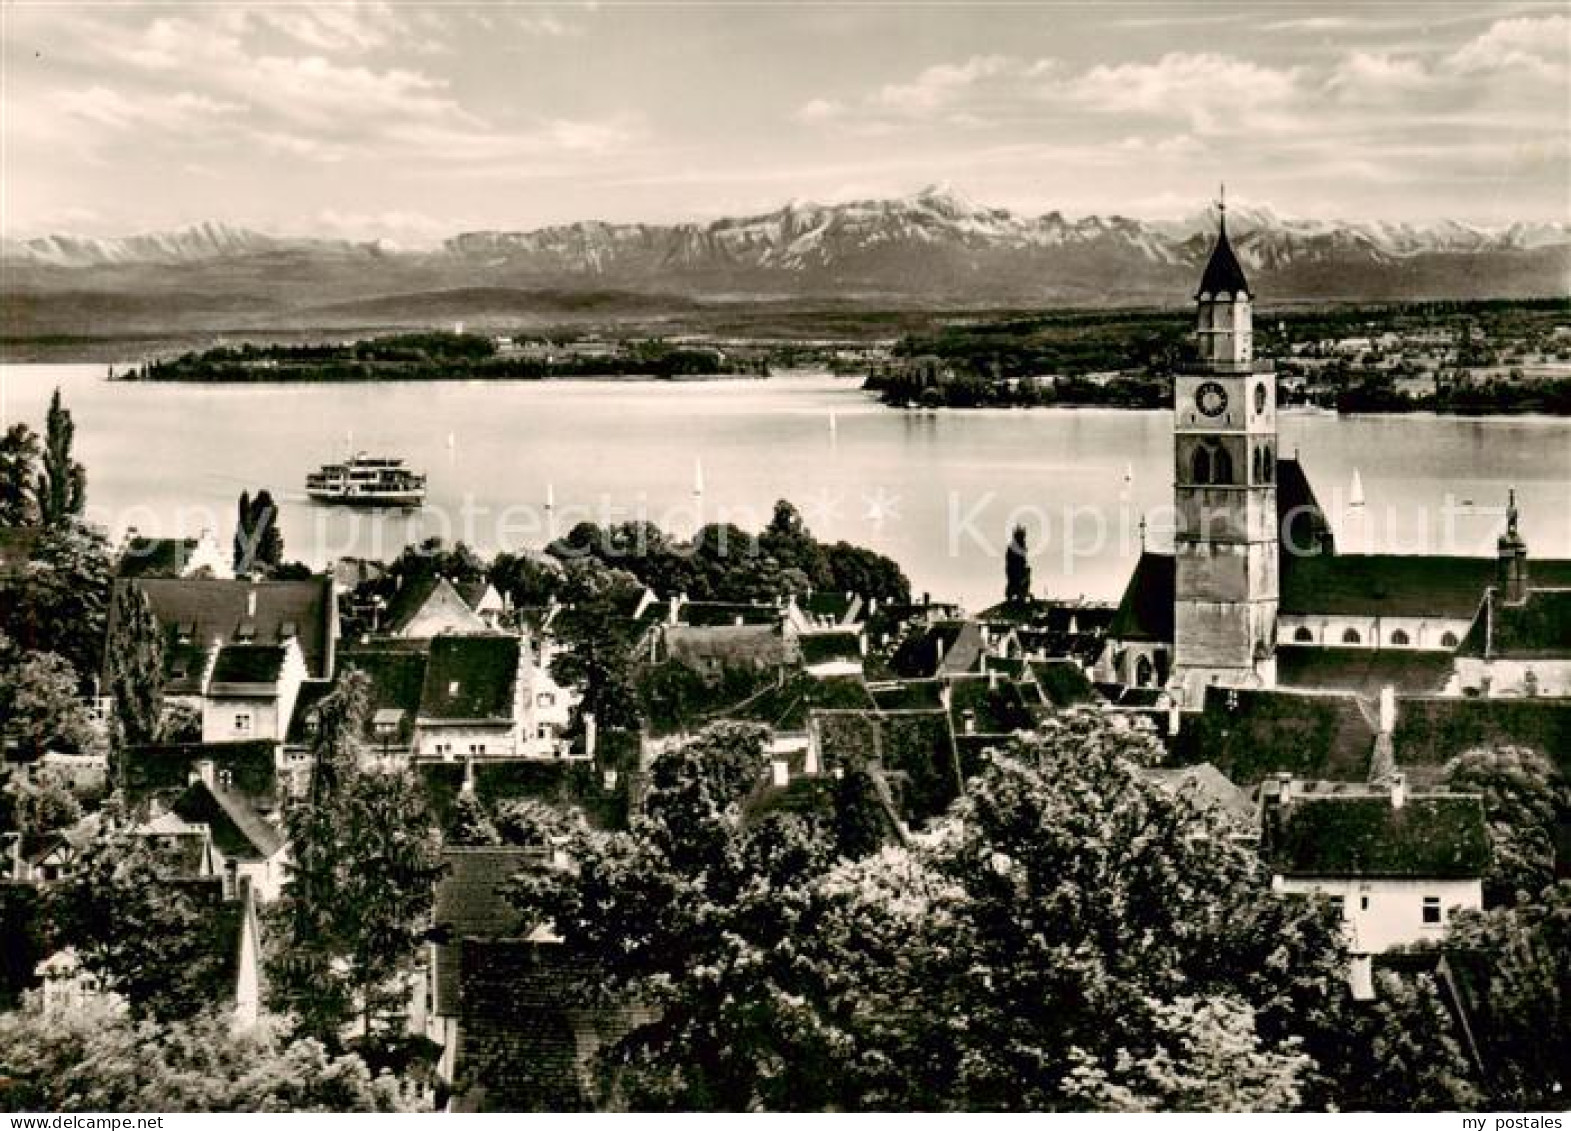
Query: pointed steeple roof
x=1223 y=273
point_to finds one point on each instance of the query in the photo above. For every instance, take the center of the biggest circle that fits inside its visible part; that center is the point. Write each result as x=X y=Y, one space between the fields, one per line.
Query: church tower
x=1226 y=544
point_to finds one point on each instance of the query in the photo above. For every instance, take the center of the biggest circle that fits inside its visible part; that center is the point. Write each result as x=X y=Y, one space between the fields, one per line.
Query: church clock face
x=1211 y=399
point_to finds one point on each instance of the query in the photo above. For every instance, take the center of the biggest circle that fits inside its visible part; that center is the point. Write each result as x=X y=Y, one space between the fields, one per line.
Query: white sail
x=833 y=424
x=1356 y=496
x=698 y=477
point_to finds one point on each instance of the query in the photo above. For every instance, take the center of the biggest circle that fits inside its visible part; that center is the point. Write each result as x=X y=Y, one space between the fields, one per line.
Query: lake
x=938 y=491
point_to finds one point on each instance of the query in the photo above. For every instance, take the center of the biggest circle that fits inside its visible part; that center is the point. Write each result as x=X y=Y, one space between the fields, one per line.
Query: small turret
x=1511 y=571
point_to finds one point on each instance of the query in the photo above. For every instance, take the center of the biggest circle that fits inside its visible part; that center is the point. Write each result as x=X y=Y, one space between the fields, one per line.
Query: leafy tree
x=1017 y=570
x=40 y=704
x=1525 y=799
x=358 y=904
x=471 y=825
x=62 y=484
x=598 y=653
x=1073 y=937
x=100 y=1061
x=259 y=545
x=19 y=453
x=525 y=581
x=1401 y=1054
x=529 y=822
x=1519 y=959
x=38 y=803
x=144 y=936
x=60 y=603
x=134 y=665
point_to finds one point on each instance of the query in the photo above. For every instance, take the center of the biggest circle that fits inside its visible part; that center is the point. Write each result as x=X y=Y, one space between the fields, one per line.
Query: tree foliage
x=1525 y=799
x=258 y=543
x=1073 y=936
x=134 y=665
x=41 y=706
x=145 y=936
x=19 y=454
x=358 y=903
x=97 y=1060
x=62 y=483
x=60 y=603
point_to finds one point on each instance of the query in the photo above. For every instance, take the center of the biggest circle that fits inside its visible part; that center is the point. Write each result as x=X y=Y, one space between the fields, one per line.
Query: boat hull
x=407 y=500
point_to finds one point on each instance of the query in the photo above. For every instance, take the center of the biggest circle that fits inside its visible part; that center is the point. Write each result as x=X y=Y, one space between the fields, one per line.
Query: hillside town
x=737 y=821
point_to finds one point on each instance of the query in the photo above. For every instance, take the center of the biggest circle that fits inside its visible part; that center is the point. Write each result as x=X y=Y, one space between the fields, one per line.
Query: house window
x=443 y=749
x=243 y=724
x=1448 y=640
x=1351 y=636
x=1400 y=639
x=1303 y=636
x=545 y=699
x=1363 y=903
x=1431 y=909
x=476 y=749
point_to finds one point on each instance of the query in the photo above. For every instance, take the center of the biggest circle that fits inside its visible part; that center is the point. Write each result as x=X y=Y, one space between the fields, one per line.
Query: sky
x=410 y=122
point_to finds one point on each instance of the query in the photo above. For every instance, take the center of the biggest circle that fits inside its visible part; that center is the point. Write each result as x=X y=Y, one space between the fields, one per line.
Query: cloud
x=1369 y=77
x=1539 y=48
x=101 y=106
x=942 y=84
x=819 y=110
x=346 y=27
x=1214 y=92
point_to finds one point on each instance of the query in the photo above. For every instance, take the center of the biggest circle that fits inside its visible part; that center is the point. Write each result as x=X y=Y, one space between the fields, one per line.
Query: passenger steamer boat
x=367 y=481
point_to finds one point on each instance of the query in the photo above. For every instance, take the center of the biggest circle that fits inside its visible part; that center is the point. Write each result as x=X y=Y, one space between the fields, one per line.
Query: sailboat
x=833 y=424
x=1356 y=496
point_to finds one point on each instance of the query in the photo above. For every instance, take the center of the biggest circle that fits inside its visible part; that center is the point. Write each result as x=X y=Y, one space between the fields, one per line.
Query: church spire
x=1223 y=274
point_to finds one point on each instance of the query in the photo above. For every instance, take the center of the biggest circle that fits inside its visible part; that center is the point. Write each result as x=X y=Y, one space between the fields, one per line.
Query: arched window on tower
x=1303 y=636
x=1351 y=636
x=1254 y=464
x=1200 y=465
x=1222 y=467
x=1143 y=672
x=1268 y=465
x=1449 y=640
x=1400 y=639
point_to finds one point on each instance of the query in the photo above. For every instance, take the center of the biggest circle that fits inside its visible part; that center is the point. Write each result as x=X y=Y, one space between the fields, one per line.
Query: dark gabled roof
x=1539 y=628
x=785 y=706
x=470 y=677
x=1363 y=670
x=909 y=695
x=1146 y=610
x=155 y=557
x=1304 y=529
x=994 y=706
x=397 y=679
x=249 y=663
x=1394 y=585
x=827 y=646
x=1223 y=274
x=944 y=647
x=1212 y=789
x=238 y=829
x=1430 y=837
x=837 y=608
x=1056 y=617
x=1063 y=683
x=1430 y=732
x=470 y=904
x=526 y=1032
x=714 y=614
x=196 y=611
x=1252 y=734
x=755 y=646
x=312 y=692
x=17 y=544
x=167 y=769
x=418 y=594
x=915 y=749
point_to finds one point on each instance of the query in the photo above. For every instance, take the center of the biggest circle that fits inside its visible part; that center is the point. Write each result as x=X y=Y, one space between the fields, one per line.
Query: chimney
x=992 y=679
x=1387 y=709
x=204 y=771
x=250 y=604
x=589 y=736
x=780 y=772
x=1398 y=790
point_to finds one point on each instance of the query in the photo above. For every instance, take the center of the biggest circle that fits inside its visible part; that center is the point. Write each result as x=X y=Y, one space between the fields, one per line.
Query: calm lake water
x=937 y=491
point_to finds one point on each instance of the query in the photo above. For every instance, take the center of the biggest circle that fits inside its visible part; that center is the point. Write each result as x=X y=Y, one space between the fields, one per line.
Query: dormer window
x=288 y=630
x=246 y=633
x=186 y=632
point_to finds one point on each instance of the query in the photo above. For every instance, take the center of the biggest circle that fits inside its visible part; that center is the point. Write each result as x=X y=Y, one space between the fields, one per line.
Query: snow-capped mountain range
x=934 y=246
